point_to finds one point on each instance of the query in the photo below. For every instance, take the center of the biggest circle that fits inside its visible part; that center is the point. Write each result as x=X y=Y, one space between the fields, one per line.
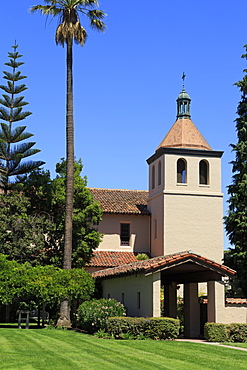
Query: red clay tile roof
x=184 y=134
x=111 y=259
x=122 y=201
x=236 y=301
x=229 y=301
x=160 y=263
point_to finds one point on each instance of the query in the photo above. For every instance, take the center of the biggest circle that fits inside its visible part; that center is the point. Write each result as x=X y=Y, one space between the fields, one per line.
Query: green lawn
x=43 y=349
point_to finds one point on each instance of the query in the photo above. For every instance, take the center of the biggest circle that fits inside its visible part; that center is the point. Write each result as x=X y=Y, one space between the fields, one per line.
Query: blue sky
x=126 y=81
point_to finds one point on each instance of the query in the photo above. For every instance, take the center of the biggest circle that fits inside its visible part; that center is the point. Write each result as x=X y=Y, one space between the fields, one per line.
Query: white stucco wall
x=218 y=311
x=235 y=315
x=139 y=230
x=193 y=223
x=193 y=173
x=156 y=207
x=136 y=288
x=189 y=215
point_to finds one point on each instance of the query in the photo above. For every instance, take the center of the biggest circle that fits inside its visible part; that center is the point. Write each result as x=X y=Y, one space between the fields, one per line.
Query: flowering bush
x=93 y=315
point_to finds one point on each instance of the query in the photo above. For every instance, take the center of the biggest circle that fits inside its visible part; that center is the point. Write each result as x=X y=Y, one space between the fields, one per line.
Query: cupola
x=183 y=105
x=184 y=133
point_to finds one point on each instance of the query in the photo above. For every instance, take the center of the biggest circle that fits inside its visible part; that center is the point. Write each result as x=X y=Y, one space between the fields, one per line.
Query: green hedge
x=141 y=327
x=216 y=332
x=225 y=333
x=238 y=332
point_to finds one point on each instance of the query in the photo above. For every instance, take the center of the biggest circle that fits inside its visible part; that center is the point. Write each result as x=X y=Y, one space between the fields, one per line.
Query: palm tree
x=69 y=30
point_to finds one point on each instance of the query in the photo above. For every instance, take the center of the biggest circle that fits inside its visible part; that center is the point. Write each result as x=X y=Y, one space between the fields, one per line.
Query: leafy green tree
x=49 y=284
x=236 y=219
x=13 y=147
x=12 y=280
x=86 y=216
x=47 y=198
x=23 y=235
x=37 y=187
x=42 y=285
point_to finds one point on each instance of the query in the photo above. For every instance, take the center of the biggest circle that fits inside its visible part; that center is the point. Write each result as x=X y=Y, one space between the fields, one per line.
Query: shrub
x=143 y=328
x=215 y=332
x=238 y=332
x=142 y=257
x=93 y=315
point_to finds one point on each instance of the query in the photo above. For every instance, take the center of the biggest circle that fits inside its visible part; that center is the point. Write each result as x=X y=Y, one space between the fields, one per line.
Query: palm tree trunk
x=64 y=319
x=69 y=161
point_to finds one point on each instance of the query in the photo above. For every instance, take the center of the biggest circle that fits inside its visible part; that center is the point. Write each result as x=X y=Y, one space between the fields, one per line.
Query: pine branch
x=11 y=111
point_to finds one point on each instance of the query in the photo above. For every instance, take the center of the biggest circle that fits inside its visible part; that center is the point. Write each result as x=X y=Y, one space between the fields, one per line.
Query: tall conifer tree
x=11 y=111
x=236 y=220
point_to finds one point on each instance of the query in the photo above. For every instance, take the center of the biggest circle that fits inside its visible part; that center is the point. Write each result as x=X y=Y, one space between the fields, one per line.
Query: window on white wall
x=155 y=229
x=181 y=171
x=125 y=233
x=203 y=172
x=153 y=177
x=159 y=173
x=138 y=300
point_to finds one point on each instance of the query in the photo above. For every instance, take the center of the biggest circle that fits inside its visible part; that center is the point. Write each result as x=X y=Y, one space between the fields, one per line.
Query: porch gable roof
x=163 y=263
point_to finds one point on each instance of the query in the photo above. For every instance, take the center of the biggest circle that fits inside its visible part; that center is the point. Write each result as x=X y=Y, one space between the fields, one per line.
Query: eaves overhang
x=184 y=151
x=175 y=264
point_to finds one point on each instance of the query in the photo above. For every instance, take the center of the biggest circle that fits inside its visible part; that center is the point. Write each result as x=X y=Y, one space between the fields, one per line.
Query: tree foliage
x=13 y=145
x=23 y=233
x=86 y=215
x=50 y=284
x=236 y=219
x=42 y=284
x=12 y=280
x=47 y=201
x=32 y=220
x=70 y=27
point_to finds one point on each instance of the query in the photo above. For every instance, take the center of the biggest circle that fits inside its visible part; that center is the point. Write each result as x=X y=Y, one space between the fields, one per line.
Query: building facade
x=177 y=223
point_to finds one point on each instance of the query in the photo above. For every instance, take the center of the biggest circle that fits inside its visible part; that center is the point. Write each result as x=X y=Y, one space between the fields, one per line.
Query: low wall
x=235 y=314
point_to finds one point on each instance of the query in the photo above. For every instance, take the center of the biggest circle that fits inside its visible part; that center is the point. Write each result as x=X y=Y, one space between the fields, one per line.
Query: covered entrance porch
x=138 y=286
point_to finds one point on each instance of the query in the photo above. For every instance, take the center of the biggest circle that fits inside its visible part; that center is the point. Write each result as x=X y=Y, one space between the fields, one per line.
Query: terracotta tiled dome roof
x=184 y=134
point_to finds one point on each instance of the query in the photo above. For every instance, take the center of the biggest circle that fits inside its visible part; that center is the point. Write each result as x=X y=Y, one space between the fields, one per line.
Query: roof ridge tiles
x=109 y=189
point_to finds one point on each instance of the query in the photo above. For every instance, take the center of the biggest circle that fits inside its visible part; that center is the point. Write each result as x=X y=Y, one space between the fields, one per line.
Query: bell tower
x=185 y=197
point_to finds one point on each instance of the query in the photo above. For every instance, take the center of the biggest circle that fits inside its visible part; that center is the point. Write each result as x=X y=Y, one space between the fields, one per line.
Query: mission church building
x=177 y=223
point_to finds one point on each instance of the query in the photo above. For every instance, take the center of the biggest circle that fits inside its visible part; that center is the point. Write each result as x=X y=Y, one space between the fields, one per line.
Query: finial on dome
x=183 y=102
x=183 y=78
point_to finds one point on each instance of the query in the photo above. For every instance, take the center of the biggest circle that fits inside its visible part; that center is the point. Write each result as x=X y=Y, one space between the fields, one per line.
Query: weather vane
x=183 y=78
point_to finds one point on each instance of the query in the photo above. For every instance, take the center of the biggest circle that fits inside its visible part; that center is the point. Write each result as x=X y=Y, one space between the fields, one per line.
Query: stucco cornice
x=186 y=152
x=193 y=193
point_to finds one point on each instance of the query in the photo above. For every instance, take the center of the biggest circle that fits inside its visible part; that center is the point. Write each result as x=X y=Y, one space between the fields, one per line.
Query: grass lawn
x=43 y=349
